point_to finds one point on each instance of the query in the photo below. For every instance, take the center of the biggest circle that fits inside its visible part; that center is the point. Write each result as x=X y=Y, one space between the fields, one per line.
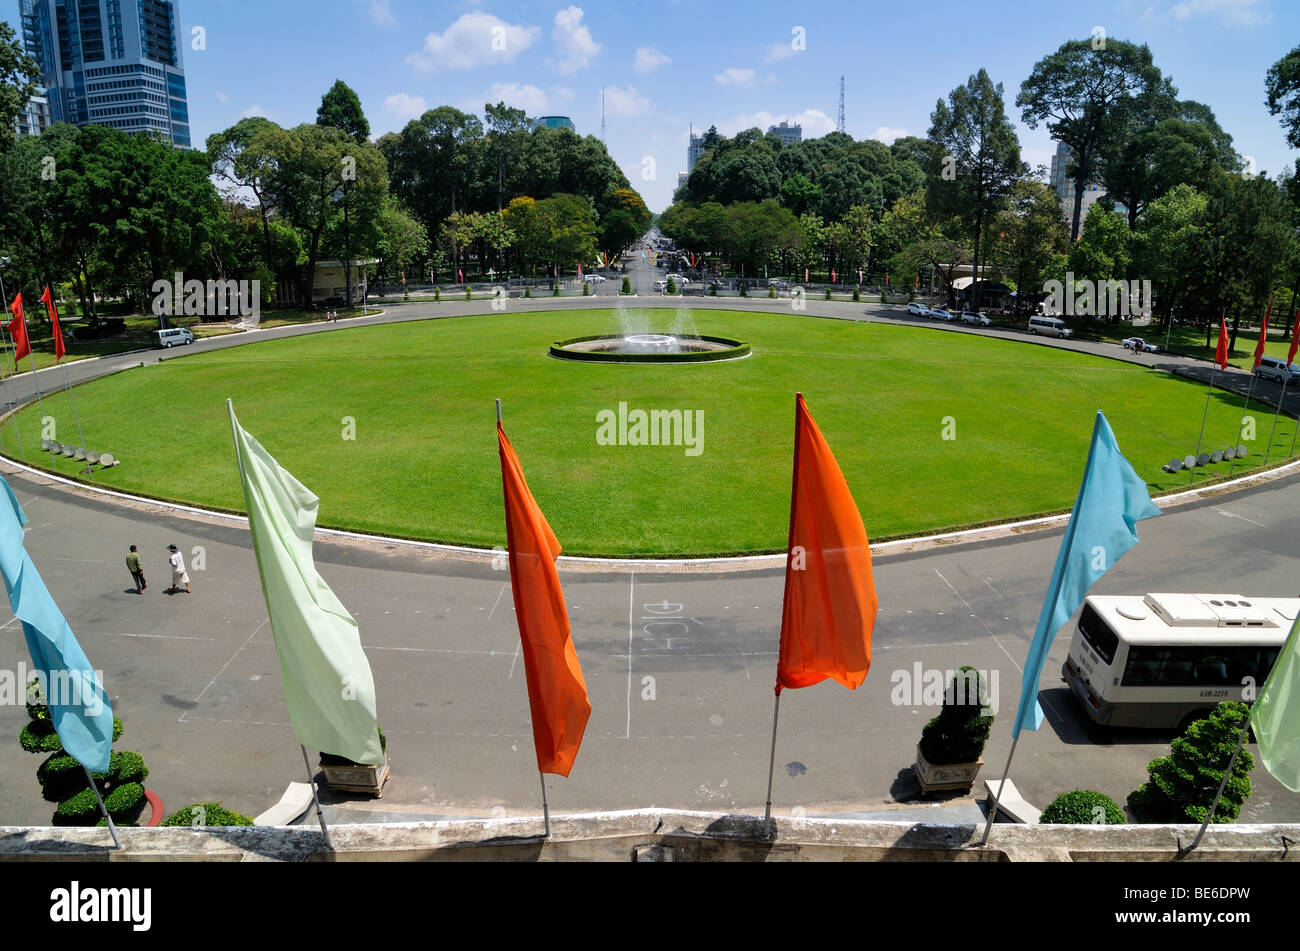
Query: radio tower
x=602 y=113
x=840 y=124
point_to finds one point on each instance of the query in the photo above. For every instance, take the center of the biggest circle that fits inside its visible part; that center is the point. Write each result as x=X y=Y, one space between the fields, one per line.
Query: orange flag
x=18 y=330
x=1295 y=339
x=557 y=694
x=1221 y=354
x=1263 y=335
x=48 y=299
x=830 y=598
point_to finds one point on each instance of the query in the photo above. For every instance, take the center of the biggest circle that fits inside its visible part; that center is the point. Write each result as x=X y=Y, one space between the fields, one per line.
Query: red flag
x=18 y=330
x=834 y=279
x=805 y=275
x=918 y=279
x=830 y=597
x=886 y=278
x=579 y=270
x=1295 y=339
x=557 y=693
x=1221 y=354
x=461 y=274
x=1263 y=335
x=53 y=311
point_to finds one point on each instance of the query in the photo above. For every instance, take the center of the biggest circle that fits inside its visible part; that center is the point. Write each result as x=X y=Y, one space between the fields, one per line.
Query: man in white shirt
x=179 y=577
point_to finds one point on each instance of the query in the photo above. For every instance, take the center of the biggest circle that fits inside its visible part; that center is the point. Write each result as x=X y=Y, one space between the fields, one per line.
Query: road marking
x=259 y=627
x=980 y=619
x=1227 y=514
x=631 y=602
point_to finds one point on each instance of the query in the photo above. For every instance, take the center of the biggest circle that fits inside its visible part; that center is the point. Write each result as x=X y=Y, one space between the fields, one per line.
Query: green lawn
x=424 y=461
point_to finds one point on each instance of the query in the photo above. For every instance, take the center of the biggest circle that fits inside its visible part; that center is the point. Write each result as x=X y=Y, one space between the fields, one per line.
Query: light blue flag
x=1103 y=526
x=78 y=705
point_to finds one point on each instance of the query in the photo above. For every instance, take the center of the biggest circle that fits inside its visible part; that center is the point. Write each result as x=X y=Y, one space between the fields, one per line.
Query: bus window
x=1197 y=666
x=1097 y=634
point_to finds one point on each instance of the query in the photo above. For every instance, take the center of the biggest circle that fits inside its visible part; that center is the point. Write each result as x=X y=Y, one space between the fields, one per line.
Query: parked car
x=1049 y=325
x=661 y=285
x=916 y=307
x=595 y=279
x=1271 y=368
x=779 y=284
x=172 y=337
x=1138 y=345
x=975 y=318
x=940 y=313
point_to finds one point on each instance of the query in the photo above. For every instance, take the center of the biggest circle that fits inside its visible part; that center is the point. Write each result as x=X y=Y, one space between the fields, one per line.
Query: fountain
x=632 y=339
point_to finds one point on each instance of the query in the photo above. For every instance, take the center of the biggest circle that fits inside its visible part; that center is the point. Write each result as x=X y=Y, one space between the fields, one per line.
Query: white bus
x=1166 y=659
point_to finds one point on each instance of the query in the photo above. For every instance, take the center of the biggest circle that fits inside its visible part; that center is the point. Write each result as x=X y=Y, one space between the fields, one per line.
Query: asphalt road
x=680 y=666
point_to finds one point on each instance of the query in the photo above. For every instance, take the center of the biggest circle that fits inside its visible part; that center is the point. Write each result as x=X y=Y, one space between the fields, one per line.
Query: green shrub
x=1182 y=785
x=469 y=294
x=78 y=810
x=39 y=736
x=212 y=815
x=36 y=707
x=123 y=799
x=744 y=290
x=437 y=293
x=884 y=298
x=828 y=292
x=528 y=292
x=713 y=289
x=61 y=776
x=1083 y=807
x=771 y=291
x=672 y=286
x=586 y=288
x=127 y=767
x=555 y=290
x=959 y=732
x=857 y=295
x=627 y=286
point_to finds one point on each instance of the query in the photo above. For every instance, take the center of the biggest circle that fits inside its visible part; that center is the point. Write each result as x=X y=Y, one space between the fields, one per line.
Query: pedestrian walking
x=134 y=566
x=179 y=577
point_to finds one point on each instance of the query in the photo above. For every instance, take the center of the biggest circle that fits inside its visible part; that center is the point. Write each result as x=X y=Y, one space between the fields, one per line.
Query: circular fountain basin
x=649 y=348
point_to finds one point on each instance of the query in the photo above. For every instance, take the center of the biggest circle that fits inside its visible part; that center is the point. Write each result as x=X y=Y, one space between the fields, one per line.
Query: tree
x=1164 y=243
x=850 y=239
x=623 y=218
x=1182 y=786
x=507 y=128
x=1082 y=93
x=242 y=156
x=1283 y=87
x=980 y=159
x=1102 y=253
x=19 y=81
x=1031 y=236
x=800 y=195
x=341 y=108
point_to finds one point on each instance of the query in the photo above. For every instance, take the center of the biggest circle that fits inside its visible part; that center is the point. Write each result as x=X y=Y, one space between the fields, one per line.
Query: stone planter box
x=356 y=777
x=949 y=778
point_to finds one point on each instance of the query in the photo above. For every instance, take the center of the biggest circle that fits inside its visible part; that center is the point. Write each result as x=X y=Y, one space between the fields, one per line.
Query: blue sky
x=669 y=63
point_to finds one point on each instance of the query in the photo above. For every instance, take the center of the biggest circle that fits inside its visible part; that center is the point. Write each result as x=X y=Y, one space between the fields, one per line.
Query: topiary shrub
x=555 y=290
x=1083 y=807
x=713 y=289
x=528 y=292
x=828 y=292
x=857 y=295
x=771 y=292
x=884 y=298
x=672 y=286
x=469 y=294
x=959 y=732
x=437 y=293
x=205 y=815
x=744 y=289
x=627 y=286
x=586 y=288
x=39 y=736
x=1182 y=785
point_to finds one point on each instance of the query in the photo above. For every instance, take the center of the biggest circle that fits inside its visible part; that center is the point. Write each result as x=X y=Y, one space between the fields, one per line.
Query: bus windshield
x=1097 y=634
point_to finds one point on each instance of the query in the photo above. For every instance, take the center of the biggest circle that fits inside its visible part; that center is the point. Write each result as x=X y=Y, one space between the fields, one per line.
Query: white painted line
x=631 y=589
x=181 y=718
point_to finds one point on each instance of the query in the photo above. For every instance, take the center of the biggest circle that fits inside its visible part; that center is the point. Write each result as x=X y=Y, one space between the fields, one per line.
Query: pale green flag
x=1276 y=715
x=328 y=687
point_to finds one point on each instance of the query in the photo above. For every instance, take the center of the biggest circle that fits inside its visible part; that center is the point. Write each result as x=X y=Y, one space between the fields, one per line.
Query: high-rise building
x=35 y=117
x=694 y=151
x=787 y=133
x=1063 y=185
x=110 y=62
x=554 y=122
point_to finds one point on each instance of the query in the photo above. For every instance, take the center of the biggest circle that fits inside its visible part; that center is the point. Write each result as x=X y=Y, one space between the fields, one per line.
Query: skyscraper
x=110 y=62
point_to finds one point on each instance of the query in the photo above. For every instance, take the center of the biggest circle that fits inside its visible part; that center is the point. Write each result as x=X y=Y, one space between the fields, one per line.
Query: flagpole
x=1223 y=783
x=546 y=806
x=1204 y=416
x=243 y=482
x=67 y=377
x=1280 y=400
x=311 y=778
x=102 y=808
x=13 y=411
x=1242 y=429
x=771 y=763
x=997 y=797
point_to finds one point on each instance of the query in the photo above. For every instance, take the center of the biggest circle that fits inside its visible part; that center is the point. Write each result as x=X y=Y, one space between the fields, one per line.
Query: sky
x=670 y=64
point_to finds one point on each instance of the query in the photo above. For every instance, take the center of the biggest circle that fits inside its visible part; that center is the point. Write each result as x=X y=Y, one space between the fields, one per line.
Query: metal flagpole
x=311 y=778
x=1242 y=429
x=997 y=798
x=1223 y=783
x=13 y=411
x=1280 y=400
x=546 y=806
x=102 y=808
x=1201 y=438
x=771 y=762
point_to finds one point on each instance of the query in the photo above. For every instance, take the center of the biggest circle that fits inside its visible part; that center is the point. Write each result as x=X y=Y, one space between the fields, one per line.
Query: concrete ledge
x=655 y=834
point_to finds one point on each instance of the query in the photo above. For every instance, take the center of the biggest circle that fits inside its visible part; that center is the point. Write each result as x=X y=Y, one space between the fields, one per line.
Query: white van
x=1271 y=368
x=172 y=337
x=1049 y=325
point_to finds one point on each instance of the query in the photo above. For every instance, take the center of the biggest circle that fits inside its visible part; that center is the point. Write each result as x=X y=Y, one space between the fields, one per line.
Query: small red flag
x=18 y=330
x=1221 y=354
x=830 y=597
x=886 y=278
x=1263 y=335
x=461 y=274
x=834 y=278
x=48 y=299
x=557 y=693
x=1295 y=339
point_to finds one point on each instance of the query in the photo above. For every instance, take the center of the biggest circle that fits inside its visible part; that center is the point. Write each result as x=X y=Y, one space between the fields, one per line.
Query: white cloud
x=476 y=39
x=1233 y=12
x=531 y=99
x=574 y=41
x=381 y=12
x=223 y=97
x=815 y=123
x=256 y=110
x=404 y=107
x=735 y=76
x=625 y=102
x=648 y=59
x=887 y=135
x=779 y=51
